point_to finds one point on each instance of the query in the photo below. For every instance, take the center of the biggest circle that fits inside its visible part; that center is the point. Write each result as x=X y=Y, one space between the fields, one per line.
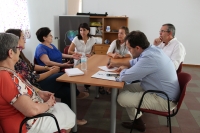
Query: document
x=107 y=69
x=104 y=75
x=73 y=72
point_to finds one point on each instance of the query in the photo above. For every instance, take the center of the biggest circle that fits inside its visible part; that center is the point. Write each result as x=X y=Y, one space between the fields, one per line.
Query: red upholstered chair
x=183 y=79
x=66 y=52
x=41 y=115
x=179 y=68
x=1 y=130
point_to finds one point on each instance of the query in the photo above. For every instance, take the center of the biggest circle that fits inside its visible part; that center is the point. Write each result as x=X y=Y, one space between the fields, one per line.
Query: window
x=14 y=14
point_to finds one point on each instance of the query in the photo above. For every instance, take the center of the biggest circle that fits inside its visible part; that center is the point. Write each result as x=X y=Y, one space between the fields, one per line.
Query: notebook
x=73 y=72
x=104 y=75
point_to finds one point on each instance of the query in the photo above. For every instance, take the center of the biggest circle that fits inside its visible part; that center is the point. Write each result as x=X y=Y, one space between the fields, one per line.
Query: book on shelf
x=74 y=72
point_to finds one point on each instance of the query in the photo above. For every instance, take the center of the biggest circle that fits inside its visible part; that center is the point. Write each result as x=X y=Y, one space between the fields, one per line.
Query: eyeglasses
x=20 y=48
x=161 y=31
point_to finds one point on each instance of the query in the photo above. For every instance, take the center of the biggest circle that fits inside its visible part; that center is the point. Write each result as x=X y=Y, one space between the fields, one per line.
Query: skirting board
x=191 y=65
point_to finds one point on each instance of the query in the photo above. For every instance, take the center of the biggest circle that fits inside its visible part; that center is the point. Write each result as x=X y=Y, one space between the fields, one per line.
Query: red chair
x=183 y=79
x=66 y=52
x=179 y=68
x=1 y=129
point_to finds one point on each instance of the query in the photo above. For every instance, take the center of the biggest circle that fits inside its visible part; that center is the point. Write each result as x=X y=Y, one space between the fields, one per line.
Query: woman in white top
x=118 y=48
x=82 y=43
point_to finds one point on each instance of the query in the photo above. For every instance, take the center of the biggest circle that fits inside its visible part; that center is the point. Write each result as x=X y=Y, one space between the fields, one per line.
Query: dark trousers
x=60 y=89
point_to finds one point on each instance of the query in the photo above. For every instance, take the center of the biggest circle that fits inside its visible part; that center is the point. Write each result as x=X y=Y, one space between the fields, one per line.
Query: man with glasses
x=170 y=45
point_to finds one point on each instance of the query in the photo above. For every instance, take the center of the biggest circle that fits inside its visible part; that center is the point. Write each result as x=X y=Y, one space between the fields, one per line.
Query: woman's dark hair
x=42 y=32
x=126 y=32
x=18 y=32
x=85 y=26
x=137 y=38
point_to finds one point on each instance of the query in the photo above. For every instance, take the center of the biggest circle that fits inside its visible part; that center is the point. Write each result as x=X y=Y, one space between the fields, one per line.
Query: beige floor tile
x=196 y=115
x=183 y=106
x=163 y=121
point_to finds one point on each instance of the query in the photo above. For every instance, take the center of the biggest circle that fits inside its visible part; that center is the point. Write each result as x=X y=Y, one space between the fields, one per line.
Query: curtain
x=14 y=14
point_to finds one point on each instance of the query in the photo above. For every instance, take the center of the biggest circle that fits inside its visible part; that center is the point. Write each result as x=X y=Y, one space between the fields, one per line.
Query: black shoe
x=137 y=124
x=102 y=91
x=87 y=88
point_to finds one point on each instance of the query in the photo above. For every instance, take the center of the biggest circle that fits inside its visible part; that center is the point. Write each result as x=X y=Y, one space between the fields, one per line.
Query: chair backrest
x=1 y=129
x=66 y=49
x=179 y=68
x=35 y=61
x=66 y=52
x=183 y=79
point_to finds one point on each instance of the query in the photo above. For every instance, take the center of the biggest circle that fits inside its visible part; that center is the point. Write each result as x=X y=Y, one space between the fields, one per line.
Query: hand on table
x=66 y=65
x=121 y=68
x=116 y=55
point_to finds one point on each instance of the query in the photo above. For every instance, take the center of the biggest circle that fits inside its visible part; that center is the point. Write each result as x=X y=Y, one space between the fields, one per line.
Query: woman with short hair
x=20 y=99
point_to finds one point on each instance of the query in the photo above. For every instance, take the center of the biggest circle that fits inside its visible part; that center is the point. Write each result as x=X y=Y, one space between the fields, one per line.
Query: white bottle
x=108 y=29
x=83 y=62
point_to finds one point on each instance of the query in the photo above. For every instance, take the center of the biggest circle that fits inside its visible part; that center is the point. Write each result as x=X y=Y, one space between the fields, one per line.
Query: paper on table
x=103 y=75
x=107 y=69
x=73 y=72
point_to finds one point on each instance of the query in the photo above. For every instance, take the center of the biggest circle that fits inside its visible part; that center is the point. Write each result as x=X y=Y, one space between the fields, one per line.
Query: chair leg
x=167 y=121
x=131 y=129
x=170 y=128
x=135 y=119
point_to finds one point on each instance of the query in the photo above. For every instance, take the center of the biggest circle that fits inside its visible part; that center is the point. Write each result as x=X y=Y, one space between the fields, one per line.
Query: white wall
x=43 y=13
x=149 y=15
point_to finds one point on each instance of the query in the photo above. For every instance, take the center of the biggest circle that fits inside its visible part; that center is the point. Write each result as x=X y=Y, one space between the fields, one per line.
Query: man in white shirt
x=170 y=45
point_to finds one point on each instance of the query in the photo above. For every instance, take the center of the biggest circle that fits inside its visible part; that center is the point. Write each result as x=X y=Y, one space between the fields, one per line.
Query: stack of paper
x=73 y=72
x=103 y=75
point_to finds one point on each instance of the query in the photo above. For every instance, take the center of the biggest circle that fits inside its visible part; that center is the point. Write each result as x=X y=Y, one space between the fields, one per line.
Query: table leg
x=73 y=103
x=97 y=92
x=113 y=110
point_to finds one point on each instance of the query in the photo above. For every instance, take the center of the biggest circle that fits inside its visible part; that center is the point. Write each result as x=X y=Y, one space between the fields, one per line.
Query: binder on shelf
x=74 y=72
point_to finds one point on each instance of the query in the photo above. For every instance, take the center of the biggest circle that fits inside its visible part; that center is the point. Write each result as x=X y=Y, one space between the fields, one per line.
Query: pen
x=109 y=60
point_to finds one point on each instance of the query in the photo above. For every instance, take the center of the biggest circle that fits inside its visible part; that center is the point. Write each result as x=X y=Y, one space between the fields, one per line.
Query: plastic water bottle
x=83 y=62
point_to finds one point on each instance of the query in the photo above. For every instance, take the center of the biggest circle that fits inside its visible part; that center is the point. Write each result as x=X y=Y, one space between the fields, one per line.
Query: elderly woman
x=46 y=54
x=46 y=80
x=19 y=99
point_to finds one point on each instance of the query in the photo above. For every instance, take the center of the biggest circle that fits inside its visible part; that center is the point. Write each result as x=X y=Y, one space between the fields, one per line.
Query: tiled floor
x=97 y=112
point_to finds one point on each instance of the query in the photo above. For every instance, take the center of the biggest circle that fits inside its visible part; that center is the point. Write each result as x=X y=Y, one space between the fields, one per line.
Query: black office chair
x=39 y=115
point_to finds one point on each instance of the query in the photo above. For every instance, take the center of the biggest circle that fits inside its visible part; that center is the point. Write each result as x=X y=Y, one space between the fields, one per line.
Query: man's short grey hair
x=7 y=41
x=171 y=28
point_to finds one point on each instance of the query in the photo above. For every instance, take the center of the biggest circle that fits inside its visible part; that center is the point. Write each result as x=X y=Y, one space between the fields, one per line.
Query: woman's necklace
x=7 y=69
x=15 y=74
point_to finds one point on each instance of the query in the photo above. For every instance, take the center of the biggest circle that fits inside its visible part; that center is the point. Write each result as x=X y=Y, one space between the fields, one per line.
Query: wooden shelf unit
x=115 y=23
